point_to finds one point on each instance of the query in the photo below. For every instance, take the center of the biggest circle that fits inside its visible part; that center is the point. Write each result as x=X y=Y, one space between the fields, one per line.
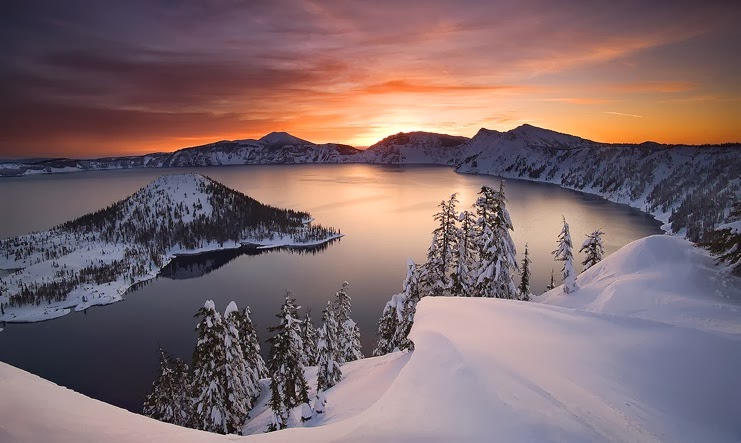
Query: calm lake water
x=385 y=212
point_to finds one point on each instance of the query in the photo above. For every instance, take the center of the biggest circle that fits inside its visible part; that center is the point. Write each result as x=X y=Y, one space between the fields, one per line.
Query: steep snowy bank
x=486 y=370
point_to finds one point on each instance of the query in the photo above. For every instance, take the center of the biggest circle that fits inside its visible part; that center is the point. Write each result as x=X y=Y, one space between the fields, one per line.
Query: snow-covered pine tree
x=552 y=284
x=435 y=273
x=257 y=369
x=210 y=398
x=406 y=309
x=464 y=260
x=170 y=400
x=497 y=254
x=288 y=384
x=309 y=336
x=523 y=291
x=564 y=253
x=387 y=326
x=238 y=394
x=328 y=369
x=348 y=334
x=594 y=249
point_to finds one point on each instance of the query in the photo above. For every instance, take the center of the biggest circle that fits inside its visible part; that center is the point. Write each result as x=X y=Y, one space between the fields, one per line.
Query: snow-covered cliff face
x=688 y=187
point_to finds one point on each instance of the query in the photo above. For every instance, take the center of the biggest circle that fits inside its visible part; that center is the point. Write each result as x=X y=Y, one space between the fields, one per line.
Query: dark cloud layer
x=85 y=76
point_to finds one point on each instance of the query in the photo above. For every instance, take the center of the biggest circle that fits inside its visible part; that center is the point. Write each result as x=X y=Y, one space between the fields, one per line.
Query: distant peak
x=284 y=138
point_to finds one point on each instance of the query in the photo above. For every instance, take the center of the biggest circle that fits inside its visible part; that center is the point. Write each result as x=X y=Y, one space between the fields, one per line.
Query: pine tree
x=407 y=308
x=169 y=400
x=523 y=291
x=552 y=284
x=348 y=336
x=288 y=384
x=238 y=393
x=251 y=350
x=387 y=326
x=210 y=402
x=309 y=337
x=436 y=271
x=594 y=249
x=329 y=372
x=464 y=260
x=497 y=254
x=563 y=253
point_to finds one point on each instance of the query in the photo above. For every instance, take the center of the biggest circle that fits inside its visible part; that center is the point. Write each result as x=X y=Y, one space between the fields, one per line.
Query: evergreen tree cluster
x=724 y=242
x=217 y=393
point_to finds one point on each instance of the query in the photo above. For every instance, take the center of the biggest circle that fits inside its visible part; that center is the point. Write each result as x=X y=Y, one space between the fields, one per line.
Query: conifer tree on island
x=465 y=256
x=170 y=399
x=210 y=398
x=523 y=291
x=594 y=249
x=497 y=254
x=348 y=333
x=288 y=384
x=328 y=369
x=563 y=253
x=436 y=271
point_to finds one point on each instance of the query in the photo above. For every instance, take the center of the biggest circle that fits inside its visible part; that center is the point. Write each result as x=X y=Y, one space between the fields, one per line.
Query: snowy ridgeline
x=689 y=188
x=94 y=259
x=648 y=349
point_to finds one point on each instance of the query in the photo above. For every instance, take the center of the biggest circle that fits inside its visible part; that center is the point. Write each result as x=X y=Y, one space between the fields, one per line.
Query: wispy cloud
x=623 y=114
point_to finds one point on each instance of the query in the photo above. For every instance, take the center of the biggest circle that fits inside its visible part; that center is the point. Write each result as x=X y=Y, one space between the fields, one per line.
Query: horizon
x=362 y=148
x=90 y=79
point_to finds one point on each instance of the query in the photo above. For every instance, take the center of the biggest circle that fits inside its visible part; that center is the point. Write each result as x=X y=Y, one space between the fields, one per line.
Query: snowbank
x=646 y=351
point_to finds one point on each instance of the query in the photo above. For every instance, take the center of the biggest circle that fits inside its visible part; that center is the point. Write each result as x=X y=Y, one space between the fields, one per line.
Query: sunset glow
x=90 y=78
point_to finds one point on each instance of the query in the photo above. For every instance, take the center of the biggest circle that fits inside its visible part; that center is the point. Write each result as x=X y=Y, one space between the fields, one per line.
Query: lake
x=385 y=212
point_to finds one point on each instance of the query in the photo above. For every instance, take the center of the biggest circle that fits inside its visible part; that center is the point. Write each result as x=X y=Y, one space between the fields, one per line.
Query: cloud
x=622 y=114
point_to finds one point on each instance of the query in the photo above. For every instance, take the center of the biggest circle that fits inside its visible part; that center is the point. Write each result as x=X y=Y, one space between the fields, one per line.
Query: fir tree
x=329 y=372
x=210 y=401
x=436 y=271
x=169 y=400
x=251 y=350
x=594 y=249
x=407 y=308
x=523 y=291
x=563 y=253
x=497 y=254
x=387 y=326
x=288 y=384
x=309 y=337
x=552 y=284
x=348 y=335
x=239 y=394
x=464 y=260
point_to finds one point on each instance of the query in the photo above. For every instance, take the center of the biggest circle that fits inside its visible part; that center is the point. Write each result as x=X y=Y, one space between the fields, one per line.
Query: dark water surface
x=385 y=212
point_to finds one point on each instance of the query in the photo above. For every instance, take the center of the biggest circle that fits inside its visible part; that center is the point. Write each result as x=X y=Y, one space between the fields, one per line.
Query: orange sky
x=94 y=78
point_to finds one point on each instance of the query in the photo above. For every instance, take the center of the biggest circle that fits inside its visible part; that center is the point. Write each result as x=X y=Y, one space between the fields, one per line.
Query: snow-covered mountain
x=415 y=148
x=690 y=188
x=94 y=259
x=636 y=354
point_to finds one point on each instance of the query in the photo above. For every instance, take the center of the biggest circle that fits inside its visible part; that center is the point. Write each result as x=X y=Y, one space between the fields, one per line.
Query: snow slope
x=623 y=363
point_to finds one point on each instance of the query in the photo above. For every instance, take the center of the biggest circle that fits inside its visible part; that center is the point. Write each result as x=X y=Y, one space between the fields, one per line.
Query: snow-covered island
x=647 y=350
x=96 y=258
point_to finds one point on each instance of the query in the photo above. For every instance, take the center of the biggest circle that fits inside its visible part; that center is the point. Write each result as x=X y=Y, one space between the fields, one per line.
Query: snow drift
x=646 y=351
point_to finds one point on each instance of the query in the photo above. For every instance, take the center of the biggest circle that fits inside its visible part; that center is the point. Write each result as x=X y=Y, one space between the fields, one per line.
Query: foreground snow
x=648 y=351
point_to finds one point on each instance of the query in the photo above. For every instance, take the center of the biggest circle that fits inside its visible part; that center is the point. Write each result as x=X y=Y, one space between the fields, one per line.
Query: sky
x=90 y=77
